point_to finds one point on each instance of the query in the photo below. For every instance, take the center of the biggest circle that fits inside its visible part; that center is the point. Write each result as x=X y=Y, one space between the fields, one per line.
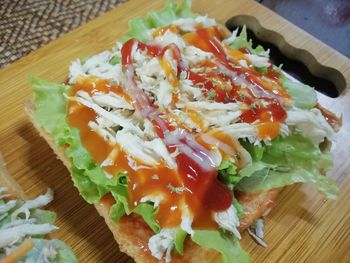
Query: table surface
x=302 y=228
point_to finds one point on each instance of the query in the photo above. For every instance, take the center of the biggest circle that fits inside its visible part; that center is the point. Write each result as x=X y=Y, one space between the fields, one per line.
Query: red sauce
x=268 y=111
x=126 y=50
x=196 y=177
x=152 y=50
x=159 y=123
x=212 y=43
x=273 y=74
x=202 y=191
x=264 y=83
x=206 y=39
x=141 y=181
x=157 y=180
x=244 y=50
x=264 y=110
x=261 y=108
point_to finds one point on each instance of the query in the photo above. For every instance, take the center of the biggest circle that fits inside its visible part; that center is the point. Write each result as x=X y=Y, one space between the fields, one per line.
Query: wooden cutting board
x=302 y=228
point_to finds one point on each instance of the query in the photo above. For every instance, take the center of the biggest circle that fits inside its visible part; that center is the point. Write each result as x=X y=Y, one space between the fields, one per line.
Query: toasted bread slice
x=132 y=233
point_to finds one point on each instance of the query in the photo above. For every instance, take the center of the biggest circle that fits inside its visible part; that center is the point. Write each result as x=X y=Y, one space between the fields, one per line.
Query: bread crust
x=132 y=233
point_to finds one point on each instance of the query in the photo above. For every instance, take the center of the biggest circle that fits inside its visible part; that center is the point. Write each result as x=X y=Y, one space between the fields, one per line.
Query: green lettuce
x=114 y=60
x=147 y=211
x=116 y=211
x=238 y=207
x=87 y=176
x=242 y=41
x=180 y=237
x=141 y=28
x=227 y=245
x=227 y=172
x=50 y=115
x=121 y=207
x=289 y=160
x=304 y=96
x=286 y=161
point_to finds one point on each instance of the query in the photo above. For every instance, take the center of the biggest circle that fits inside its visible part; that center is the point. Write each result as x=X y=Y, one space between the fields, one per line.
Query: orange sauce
x=232 y=143
x=158 y=180
x=161 y=31
x=107 y=200
x=207 y=40
x=169 y=72
x=206 y=64
x=194 y=39
x=334 y=121
x=236 y=55
x=268 y=130
x=195 y=118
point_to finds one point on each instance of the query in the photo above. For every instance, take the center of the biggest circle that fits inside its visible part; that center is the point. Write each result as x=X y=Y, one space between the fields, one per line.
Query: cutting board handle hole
x=297 y=62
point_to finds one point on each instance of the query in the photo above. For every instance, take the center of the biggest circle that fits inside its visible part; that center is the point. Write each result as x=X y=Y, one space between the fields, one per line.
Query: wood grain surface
x=302 y=228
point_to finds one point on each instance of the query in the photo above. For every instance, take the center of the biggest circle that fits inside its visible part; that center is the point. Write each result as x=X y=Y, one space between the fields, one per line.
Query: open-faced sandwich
x=183 y=135
x=24 y=227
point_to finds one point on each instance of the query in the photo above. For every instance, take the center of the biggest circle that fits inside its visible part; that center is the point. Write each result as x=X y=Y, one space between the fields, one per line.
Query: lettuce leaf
x=304 y=96
x=114 y=60
x=238 y=207
x=280 y=164
x=49 y=101
x=120 y=193
x=227 y=173
x=141 y=28
x=116 y=211
x=179 y=241
x=227 y=245
x=269 y=179
x=256 y=151
x=289 y=160
x=165 y=17
x=88 y=177
x=51 y=116
x=147 y=211
x=242 y=41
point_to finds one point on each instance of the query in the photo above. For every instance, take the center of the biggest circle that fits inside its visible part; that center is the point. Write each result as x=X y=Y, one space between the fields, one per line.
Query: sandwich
x=182 y=136
x=24 y=226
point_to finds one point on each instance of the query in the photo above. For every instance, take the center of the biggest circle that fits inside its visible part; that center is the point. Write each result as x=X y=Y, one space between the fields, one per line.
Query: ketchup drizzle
x=195 y=165
x=204 y=193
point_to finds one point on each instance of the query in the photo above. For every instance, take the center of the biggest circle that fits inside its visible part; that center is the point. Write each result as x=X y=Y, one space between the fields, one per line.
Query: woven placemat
x=26 y=25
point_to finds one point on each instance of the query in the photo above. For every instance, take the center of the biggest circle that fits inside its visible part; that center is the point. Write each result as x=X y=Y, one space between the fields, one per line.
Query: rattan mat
x=26 y=25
